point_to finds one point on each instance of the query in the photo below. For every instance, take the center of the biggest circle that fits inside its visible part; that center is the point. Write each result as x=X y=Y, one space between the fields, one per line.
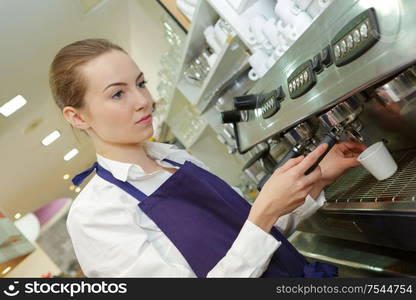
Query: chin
x=147 y=135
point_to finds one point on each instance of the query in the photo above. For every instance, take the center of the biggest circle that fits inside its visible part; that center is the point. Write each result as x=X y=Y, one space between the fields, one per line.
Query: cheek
x=114 y=116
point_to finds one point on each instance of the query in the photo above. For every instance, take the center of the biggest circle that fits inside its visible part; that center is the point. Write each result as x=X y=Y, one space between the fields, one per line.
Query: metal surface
x=342 y=114
x=358 y=185
x=300 y=134
x=402 y=87
x=370 y=260
x=392 y=53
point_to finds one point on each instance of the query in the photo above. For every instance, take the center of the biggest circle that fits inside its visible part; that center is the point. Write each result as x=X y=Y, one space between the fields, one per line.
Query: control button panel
x=301 y=80
x=355 y=38
x=271 y=102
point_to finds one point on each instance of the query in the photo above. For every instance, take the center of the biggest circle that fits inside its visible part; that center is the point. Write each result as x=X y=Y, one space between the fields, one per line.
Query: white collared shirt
x=112 y=237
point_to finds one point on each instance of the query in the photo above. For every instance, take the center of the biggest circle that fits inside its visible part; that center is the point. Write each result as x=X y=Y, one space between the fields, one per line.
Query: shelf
x=229 y=61
x=173 y=9
x=240 y=23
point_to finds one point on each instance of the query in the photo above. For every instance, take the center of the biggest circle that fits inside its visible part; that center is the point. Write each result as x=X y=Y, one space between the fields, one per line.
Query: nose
x=141 y=102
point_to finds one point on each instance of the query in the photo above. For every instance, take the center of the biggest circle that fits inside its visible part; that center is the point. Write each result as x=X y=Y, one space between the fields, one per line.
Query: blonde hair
x=65 y=80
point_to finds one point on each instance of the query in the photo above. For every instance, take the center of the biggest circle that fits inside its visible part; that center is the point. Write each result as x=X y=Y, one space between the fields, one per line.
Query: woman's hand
x=339 y=159
x=286 y=189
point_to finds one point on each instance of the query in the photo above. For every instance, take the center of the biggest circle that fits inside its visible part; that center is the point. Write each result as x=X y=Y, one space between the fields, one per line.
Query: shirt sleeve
x=250 y=254
x=288 y=223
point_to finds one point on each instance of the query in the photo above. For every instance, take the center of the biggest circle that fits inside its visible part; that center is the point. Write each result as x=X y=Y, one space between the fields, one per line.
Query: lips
x=145 y=119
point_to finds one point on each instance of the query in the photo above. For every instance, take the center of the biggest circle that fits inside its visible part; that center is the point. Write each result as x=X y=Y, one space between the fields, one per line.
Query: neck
x=129 y=153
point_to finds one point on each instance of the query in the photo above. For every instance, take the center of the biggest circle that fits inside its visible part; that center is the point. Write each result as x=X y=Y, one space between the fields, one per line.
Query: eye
x=142 y=84
x=117 y=95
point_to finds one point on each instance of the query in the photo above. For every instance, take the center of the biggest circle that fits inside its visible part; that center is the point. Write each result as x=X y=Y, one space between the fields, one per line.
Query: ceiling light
x=77 y=190
x=6 y=270
x=51 y=138
x=10 y=107
x=72 y=187
x=66 y=176
x=17 y=216
x=71 y=154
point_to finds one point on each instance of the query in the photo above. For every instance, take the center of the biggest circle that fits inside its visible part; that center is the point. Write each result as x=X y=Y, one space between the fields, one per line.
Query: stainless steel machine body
x=379 y=79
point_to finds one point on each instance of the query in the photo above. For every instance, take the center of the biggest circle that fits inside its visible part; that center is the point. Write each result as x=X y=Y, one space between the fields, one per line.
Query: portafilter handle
x=294 y=152
x=329 y=139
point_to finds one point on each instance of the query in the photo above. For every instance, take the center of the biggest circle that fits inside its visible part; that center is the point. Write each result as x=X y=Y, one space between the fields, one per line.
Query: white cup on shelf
x=258 y=63
x=277 y=53
x=209 y=34
x=256 y=24
x=303 y=4
x=270 y=62
x=271 y=33
x=301 y=22
x=220 y=34
x=378 y=161
x=286 y=10
x=287 y=31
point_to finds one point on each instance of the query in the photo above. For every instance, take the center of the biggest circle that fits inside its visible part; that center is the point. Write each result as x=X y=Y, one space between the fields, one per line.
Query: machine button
x=343 y=46
x=271 y=102
x=317 y=64
x=305 y=76
x=364 y=30
x=337 y=51
x=301 y=80
x=350 y=42
x=326 y=57
x=355 y=38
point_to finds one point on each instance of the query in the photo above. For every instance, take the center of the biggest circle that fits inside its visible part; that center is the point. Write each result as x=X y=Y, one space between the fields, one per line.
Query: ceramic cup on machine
x=220 y=34
x=301 y=22
x=271 y=33
x=303 y=4
x=258 y=62
x=256 y=25
x=287 y=31
x=211 y=39
x=378 y=161
x=286 y=10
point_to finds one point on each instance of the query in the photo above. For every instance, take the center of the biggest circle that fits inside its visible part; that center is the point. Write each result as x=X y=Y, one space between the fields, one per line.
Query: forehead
x=110 y=67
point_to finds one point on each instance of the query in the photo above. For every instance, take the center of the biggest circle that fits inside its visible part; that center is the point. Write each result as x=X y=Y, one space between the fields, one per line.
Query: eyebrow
x=122 y=83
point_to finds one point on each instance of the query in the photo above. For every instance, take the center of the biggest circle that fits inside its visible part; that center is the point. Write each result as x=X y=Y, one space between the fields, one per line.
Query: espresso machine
x=350 y=76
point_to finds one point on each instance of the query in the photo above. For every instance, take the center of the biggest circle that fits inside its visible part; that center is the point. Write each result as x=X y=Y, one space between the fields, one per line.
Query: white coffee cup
x=286 y=10
x=271 y=33
x=258 y=61
x=378 y=161
x=220 y=34
x=209 y=34
x=256 y=25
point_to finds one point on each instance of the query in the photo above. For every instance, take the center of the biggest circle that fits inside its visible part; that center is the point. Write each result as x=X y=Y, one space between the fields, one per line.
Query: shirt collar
x=122 y=170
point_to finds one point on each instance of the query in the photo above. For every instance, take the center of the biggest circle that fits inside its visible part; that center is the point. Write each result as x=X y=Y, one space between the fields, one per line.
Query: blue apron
x=202 y=215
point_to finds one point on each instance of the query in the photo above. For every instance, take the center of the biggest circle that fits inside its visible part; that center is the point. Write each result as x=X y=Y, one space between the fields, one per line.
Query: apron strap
x=173 y=162
x=105 y=174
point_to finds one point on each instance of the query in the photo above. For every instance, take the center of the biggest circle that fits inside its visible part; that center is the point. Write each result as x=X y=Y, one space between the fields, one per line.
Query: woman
x=153 y=210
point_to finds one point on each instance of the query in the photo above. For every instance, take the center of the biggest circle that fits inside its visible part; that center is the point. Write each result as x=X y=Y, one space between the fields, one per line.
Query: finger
x=312 y=177
x=291 y=163
x=350 y=162
x=354 y=146
x=311 y=158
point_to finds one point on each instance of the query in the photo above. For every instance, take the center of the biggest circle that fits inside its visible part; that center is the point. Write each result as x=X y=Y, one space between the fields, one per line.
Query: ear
x=75 y=117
